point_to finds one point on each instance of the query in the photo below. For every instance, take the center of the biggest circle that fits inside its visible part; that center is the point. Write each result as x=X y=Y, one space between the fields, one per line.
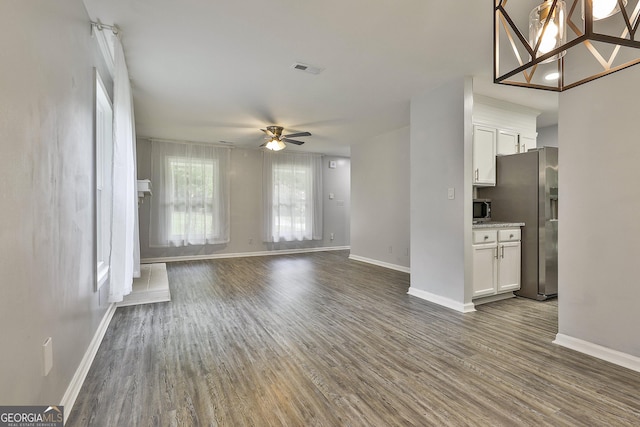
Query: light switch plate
x=451 y=193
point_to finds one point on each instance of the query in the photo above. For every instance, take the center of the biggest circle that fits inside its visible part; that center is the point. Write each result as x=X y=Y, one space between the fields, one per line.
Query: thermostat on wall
x=332 y=164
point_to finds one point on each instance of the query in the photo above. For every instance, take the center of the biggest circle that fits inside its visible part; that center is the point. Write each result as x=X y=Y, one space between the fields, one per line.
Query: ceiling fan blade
x=262 y=145
x=293 y=135
x=267 y=132
x=293 y=141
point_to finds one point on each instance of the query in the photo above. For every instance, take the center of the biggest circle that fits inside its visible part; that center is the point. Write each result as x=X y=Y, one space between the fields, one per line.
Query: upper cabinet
x=527 y=142
x=500 y=128
x=484 y=156
x=512 y=142
x=507 y=143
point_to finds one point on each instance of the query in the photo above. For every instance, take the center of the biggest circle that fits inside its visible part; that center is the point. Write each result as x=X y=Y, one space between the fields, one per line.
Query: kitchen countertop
x=497 y=224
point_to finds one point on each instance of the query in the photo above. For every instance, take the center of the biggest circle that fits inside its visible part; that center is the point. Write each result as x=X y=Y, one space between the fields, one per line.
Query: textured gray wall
x=548 y=136
x=380 y=200
x=46 y=196
x=598 y=244
x=440 y=159
x=246 y=208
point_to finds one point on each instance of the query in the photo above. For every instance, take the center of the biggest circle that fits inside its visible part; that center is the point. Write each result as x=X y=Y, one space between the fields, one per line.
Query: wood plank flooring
x=319 y=340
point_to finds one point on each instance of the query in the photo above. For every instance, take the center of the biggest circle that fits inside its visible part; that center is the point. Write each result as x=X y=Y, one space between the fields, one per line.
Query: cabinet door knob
x=486 y=237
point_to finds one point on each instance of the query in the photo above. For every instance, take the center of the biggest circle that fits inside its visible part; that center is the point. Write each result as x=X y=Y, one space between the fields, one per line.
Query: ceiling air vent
x=307 y=68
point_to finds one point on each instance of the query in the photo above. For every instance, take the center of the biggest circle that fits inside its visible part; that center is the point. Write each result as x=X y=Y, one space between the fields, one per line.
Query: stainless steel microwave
x=481 y=210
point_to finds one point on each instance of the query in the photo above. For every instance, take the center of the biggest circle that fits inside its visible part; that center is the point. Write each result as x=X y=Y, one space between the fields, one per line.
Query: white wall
x=599 y=225
x=441 y=228
x=246 y=208
x=46 y=196
x=337 y=211
x=380 y=200
x=548 y=136
x=504 y=115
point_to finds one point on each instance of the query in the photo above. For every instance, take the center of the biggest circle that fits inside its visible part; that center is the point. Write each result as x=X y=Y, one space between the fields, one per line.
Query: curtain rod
x=100 y=26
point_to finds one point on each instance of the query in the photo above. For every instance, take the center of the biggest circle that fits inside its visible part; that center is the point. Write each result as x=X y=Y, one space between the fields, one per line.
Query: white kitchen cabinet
x=484 y=269
x=507 y=143
x=484 y=156
x=527 y=142
x=490 y=141
x=512 y=142
x=496 y=261
x=508 y=267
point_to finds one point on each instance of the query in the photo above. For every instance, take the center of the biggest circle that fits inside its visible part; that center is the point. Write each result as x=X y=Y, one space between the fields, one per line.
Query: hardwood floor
x=319 y=340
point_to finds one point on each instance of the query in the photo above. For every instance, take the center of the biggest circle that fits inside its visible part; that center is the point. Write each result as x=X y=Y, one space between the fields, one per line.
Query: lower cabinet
x=496 y=261
x=508 y=267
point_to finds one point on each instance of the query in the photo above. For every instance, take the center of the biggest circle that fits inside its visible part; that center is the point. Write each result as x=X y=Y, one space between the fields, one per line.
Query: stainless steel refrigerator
x=527 y=190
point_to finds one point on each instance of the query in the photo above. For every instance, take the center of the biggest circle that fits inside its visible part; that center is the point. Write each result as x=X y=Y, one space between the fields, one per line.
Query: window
x=193 y=191
x=104 y=156
x=191 y=207
x=293 y=201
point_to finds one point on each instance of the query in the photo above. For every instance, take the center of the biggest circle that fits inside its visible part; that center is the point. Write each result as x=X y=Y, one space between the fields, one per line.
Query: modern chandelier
x=557 y=45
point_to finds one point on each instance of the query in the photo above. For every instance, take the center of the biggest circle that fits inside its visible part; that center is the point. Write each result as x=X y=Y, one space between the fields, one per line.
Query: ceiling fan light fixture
x=275 y=145
x=276 y=140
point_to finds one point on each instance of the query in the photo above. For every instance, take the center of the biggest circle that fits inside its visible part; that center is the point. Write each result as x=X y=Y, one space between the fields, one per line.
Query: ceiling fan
x=276 y=140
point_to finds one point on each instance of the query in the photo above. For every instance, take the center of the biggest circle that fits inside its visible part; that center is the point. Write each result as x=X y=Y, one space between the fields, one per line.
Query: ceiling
x=213 y=71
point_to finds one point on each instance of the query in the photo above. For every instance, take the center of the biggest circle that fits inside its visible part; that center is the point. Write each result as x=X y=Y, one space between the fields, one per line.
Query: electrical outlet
x=332 y=236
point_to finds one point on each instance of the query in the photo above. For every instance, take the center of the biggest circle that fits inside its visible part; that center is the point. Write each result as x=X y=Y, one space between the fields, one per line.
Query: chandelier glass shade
x=556 y=45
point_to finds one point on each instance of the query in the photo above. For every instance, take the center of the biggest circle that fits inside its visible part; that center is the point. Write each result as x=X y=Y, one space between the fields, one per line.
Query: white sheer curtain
x=190 y=203
x=292 y=192
x=124 y=262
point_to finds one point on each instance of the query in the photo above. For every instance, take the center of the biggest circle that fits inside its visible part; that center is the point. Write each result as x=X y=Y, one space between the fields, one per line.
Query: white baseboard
x=71 y=394
x=445 y=302
x=494 y=298
x=601 y=352
x=243 y=254
x=380 y=263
